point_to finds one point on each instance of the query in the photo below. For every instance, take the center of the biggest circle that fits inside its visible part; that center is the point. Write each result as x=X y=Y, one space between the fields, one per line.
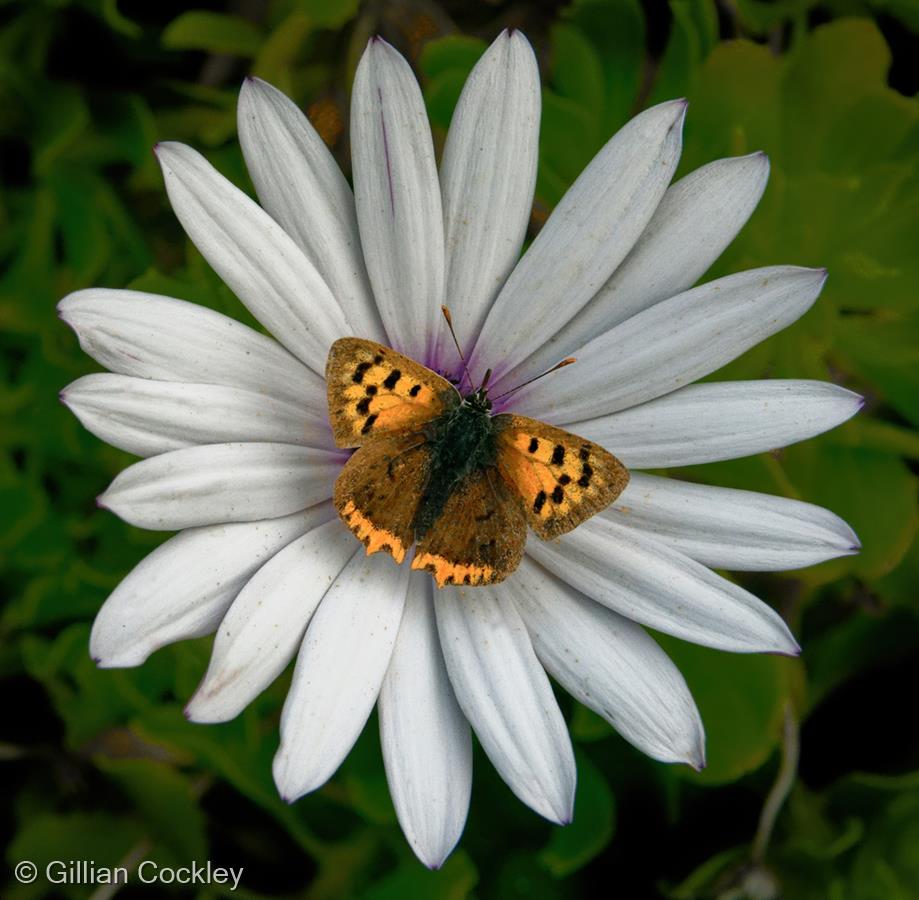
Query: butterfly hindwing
x=378 y=491
x=374 y=390
x=478 y=538
x=561 y=479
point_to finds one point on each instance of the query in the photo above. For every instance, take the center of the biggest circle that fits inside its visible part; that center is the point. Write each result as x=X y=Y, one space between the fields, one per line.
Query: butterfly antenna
x=555 y=368
x=449 y=319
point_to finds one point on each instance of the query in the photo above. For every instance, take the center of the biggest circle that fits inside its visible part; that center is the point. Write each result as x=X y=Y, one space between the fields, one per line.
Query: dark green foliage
x=102 y=764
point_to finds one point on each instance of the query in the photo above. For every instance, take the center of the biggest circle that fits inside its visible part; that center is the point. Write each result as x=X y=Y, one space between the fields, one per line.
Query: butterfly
x=436 y=468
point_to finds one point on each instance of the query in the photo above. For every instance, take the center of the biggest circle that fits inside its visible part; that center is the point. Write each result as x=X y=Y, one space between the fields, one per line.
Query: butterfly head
x=478 y=399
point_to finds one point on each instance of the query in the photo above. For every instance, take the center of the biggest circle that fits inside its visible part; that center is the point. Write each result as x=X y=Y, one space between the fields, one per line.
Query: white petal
x=645 y=580
x=507 y=698
x=339 y=671
x=611 y=665
x=182 y=589
x=427 y=747
x=133 y=333
x=487 y=176
x=398 y=199
x=720 y=420
x=263 y=628
x=673 y=343
x=221 y=483
x=253 y=255
x=299 y=183
x=730 y=529
x=696 y=220
x=147 y=417
x=588 y=234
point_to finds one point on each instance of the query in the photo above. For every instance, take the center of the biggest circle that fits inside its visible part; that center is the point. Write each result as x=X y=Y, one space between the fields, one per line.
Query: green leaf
x=88 y=699
x=905 y=10
x=899 y=586
x=886 y=866
x=166 y=802
x=567 y=138
x=833 y=68
x=213 y=32
x=109 y=12
x=691 y=38
x=587 y=726
x=616 y=29
x=86 y=241
x=239 y=752
x=99 y=837
x=441 y=95
x=760 y=16
x=66 y=119
x=856 y=483
x=329 y=13
x=453 y=53
x=860 y=642
x=733 y=111
x=282 y=48
x=710 y=878
x=454 y=881
x=575 y=70
x=572 y=847
x=886 y=351
x=445 y=64
x=364 y=778
x=522 y=877
x=741 y=699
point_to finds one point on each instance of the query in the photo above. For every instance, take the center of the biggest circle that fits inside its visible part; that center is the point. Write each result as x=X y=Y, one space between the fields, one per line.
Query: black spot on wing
x=539 y=502
x=414 y=390
x=363 y=406
x=359 y=371
x=392 y=379
x=534 y=445
x=558 y=455
x=558 y=494
x=369 y=423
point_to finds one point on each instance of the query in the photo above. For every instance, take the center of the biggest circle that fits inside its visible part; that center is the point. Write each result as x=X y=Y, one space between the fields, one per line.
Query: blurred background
x=102 y=765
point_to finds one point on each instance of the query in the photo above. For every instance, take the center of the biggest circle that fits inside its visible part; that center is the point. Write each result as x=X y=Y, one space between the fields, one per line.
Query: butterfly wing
x=374 y=390
x=378 y=491
x=561 y=478
x=478 y=538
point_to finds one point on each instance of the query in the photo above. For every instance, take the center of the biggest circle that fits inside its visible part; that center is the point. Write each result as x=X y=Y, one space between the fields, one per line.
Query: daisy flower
x=238 y=455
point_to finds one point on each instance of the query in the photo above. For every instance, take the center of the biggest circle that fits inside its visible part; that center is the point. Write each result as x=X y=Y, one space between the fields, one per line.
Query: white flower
x=240 y=458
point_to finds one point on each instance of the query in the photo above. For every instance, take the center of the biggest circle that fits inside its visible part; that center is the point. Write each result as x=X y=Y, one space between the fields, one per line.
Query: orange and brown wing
x=374 y=390
x=562 y=479
x=478 y=538
x=378 y=490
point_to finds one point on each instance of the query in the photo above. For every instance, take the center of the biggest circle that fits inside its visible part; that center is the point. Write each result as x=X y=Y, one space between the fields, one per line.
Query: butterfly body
x=461 y=442
x=438 y=469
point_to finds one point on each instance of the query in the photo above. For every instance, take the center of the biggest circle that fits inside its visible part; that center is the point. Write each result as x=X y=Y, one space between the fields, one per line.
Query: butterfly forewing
x=378 y=491
x=478 y=538
x=373 y=390
x=562 y=479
